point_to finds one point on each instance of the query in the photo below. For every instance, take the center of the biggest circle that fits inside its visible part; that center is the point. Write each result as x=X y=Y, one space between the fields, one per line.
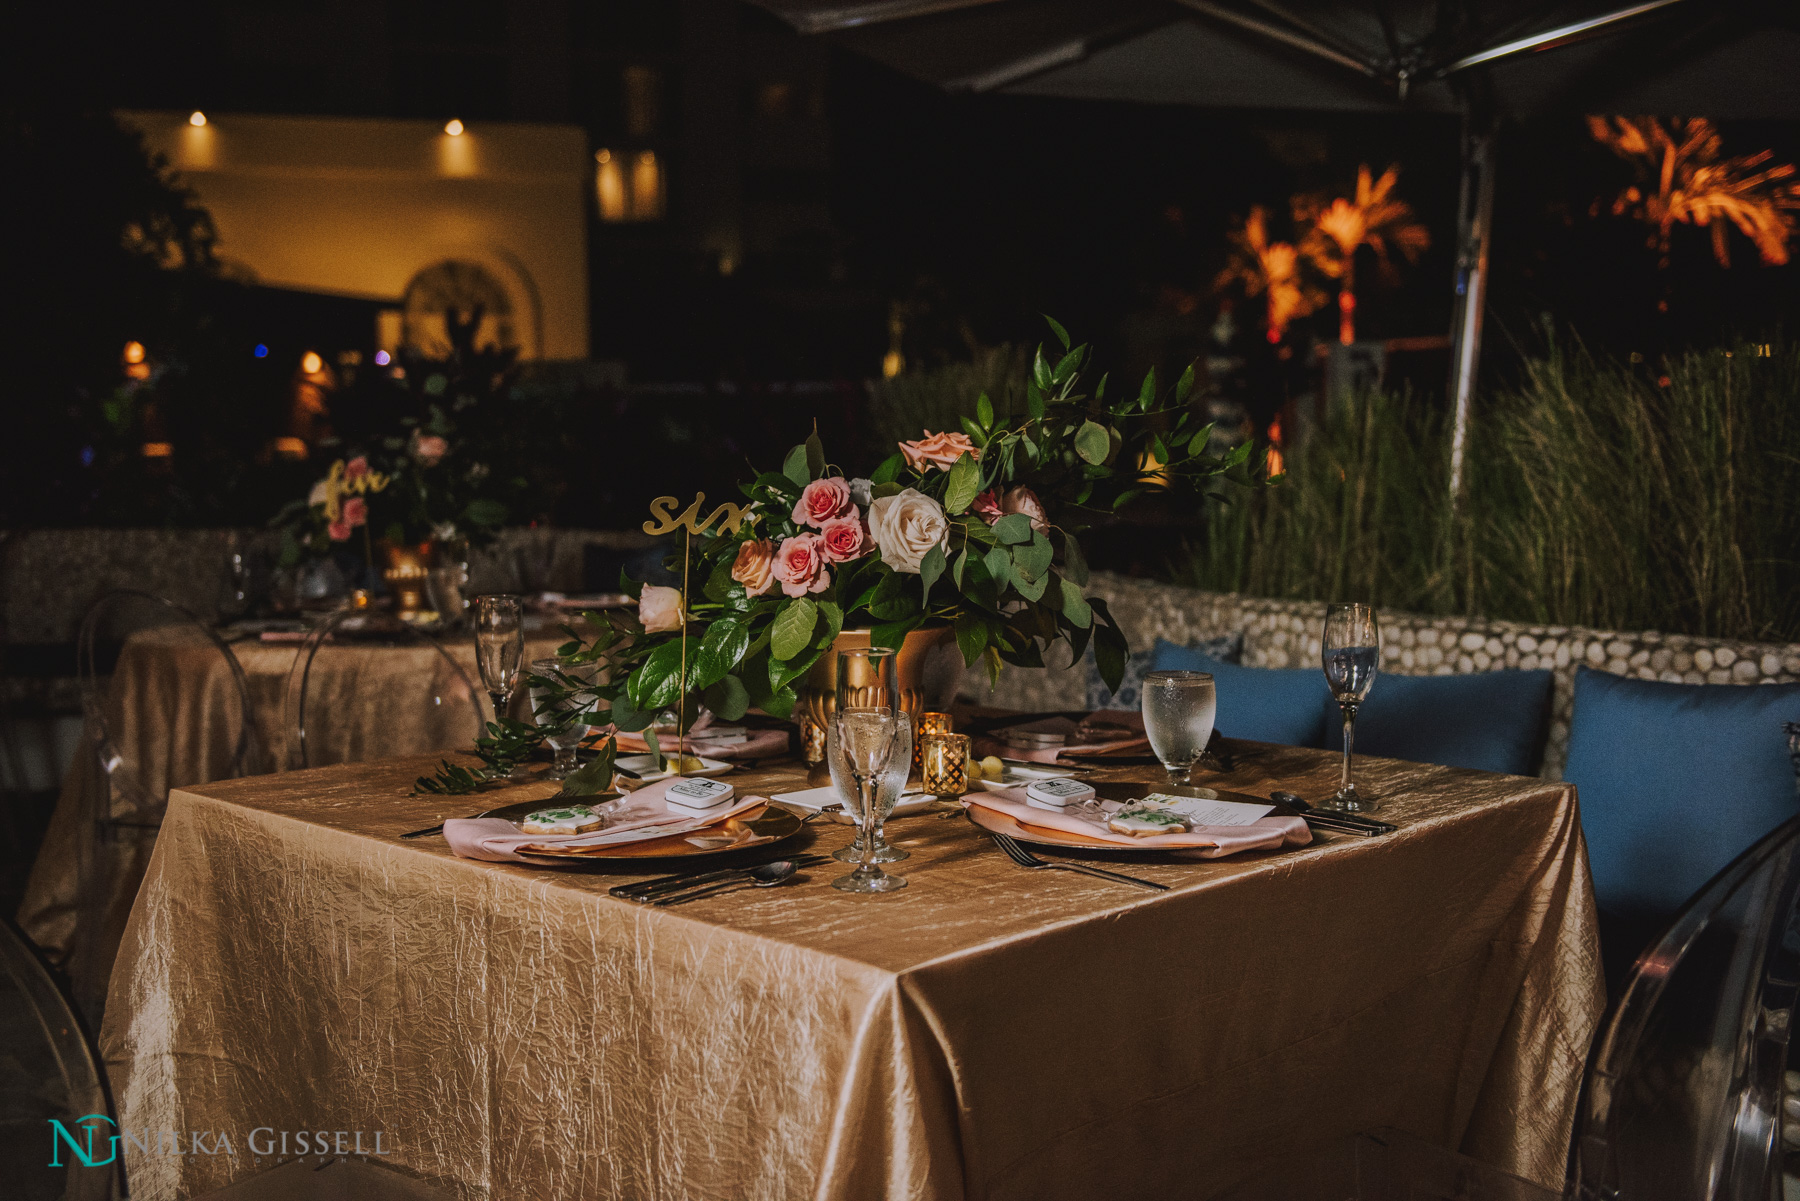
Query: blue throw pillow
x=1130 y=695
x=1676 y=781
x=1490 y=721
x=1266 y=704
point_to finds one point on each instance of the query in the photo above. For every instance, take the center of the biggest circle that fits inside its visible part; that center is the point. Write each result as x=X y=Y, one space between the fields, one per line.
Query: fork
x=1025 y=858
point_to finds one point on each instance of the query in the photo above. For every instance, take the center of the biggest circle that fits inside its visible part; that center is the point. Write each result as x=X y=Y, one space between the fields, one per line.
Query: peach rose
x=429 y=449
x=659 y=609
x=842 y=539
x=800 y=565
x=822 y=500
x=339 y=530
x=755 y=566
x=1024 y=500
x=356 y=468
x=938 y=450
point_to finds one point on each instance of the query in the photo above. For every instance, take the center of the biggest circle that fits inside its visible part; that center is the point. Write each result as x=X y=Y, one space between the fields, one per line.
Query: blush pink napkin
x=1203 y=842
x=498 y=840
x=1052 y=754
x=762 y=744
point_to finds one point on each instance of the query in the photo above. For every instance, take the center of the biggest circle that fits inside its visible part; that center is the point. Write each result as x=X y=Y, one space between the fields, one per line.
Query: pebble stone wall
x=1281 y=633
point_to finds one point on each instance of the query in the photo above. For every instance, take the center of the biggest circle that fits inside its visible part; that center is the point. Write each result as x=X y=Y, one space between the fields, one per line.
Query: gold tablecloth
x=989 y=1032
x=173 y=713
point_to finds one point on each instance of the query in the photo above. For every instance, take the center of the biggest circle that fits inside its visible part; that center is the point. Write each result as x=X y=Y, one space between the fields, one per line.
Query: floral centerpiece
x=976 y=529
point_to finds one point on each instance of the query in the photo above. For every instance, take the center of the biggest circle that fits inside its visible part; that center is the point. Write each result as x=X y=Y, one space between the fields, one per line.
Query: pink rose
x=1024 y=500
x=987 y=507
x=755 y=566
x=356 y=511
x=800 y=565
x=339 y=530
x=822 y=500
x=428 y=449
x=938 y=450
x=843 y=539
x=356 y=468
x=659 y=609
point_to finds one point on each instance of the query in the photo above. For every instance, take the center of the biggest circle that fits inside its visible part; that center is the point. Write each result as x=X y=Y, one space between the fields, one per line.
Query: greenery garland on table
x=974 y=529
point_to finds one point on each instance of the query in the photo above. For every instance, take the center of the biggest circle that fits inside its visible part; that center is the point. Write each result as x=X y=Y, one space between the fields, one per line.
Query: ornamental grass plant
x=1656 y=496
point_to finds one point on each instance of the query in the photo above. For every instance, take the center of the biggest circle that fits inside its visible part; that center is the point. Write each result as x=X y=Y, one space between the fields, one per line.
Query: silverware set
x=1025 y=858
x=691 y=886
x=1331 y=820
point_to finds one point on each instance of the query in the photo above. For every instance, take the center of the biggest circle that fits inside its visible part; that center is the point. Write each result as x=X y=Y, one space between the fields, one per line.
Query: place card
x=1202 y=811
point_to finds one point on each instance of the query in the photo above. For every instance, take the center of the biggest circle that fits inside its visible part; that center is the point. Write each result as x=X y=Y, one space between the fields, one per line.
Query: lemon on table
x=687 y=763
x=992 y=768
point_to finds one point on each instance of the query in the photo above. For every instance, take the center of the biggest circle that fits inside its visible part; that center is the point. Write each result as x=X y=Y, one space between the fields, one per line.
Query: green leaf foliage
x=721 y=650
x=728 y=699
x=815 y=456
x=971 y=635
x=1091 y=443
x=597 y=776
x=1074 y=605
x=1033 y=558
x=931 y=567
x=965 y=483
x=1062 y=335
x=794 y=467
x=889 y=469
x=656 y=683
x=1012 y=529
x=1074 y=564
x=984 y=411
x=793 y=628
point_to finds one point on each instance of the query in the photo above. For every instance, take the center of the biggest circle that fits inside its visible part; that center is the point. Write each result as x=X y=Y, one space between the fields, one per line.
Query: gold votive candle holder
x=944 y=763
x=812 y=740
x=928 y=723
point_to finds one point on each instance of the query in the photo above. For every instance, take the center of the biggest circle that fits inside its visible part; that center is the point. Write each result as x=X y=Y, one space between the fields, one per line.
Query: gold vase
x=405 y=573
x=922 y=667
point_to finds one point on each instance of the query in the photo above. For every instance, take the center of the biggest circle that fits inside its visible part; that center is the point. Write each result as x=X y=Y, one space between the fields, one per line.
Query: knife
x=645 y=890
x=1348 y=823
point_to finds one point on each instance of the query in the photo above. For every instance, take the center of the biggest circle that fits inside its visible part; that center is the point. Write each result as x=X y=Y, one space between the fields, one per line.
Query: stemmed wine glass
x=499 y=647
x=893 y=784
x=867 y=723
x=1351 y=650
x=1179 y=708
x=556 y=714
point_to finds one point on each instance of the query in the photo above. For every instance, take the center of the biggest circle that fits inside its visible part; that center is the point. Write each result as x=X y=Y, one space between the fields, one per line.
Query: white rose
x=906 y=526
x=660 y=609
x=319 y=495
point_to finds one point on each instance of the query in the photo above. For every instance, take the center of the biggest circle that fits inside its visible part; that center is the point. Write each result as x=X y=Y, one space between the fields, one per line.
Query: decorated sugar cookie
x=576 y=819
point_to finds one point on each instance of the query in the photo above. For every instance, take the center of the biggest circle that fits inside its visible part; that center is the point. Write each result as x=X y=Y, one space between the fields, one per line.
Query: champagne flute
x=1179 y=708
x=556 y=715
x=867 y=723
x=499 y=647
x=1351 y=650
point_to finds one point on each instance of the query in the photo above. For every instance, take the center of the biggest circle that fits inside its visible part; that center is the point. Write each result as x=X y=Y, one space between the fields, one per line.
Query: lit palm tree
x=1376 y=218
x=1683 y=176
x=1271 y=270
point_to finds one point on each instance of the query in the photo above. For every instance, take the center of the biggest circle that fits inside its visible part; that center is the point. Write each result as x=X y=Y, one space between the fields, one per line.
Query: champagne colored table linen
x=989 y=1032
x=174 y=717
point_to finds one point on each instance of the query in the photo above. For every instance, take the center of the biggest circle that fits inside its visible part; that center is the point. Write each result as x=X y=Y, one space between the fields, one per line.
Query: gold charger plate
x=996 y=822
x=770 y=823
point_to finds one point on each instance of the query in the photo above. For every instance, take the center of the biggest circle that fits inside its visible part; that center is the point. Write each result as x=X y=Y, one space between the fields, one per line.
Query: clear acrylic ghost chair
x=49 y=1071
x=1683 y=1097
x=133 y=801
x=331 y=659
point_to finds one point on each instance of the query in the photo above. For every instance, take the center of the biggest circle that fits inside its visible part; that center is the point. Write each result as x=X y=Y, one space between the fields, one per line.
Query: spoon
x=765 y=875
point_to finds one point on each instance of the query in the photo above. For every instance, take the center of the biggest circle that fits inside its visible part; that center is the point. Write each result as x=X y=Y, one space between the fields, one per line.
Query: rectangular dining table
x=988 y=1032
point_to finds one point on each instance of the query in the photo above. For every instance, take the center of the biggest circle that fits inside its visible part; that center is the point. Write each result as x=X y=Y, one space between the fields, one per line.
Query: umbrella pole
x=1474 y=224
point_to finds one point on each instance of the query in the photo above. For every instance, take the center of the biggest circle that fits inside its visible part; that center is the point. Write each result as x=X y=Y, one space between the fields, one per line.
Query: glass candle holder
x=944 y=763
x=812 y=740
x=928 y=723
